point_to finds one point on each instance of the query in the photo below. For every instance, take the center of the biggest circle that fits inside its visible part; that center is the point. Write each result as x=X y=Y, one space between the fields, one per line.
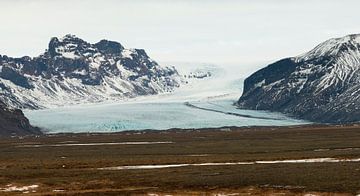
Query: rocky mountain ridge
x=73 y=71
x=322 y=85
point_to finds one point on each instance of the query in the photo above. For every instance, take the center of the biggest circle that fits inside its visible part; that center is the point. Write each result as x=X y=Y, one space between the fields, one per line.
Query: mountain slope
x=74 y=71
x=322 y=85
x=13 y=122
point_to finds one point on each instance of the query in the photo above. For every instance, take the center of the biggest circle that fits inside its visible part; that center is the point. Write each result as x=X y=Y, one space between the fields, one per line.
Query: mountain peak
x=69 y=36
x=66 y=46
x=332 y=47
x=71 y=46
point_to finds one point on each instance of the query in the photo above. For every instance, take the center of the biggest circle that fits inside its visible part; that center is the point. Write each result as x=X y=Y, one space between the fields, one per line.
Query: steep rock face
x=322 y=85
x=14 y=123
x=74 y=71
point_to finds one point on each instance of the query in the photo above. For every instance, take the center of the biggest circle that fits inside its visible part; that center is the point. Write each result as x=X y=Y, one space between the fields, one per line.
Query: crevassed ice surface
x=213 y=98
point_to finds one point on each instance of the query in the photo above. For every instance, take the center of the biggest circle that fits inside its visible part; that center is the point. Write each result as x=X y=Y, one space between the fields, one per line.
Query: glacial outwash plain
x=319 y=160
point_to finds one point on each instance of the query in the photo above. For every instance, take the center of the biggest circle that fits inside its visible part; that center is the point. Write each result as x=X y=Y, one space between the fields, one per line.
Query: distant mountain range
x=322 y=85
x=73 y=71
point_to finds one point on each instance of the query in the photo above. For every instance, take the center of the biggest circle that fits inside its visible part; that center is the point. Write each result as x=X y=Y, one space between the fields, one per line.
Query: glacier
x=165 y=111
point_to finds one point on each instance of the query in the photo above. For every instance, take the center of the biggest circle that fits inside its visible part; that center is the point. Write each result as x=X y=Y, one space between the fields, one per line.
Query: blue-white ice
x=161 y=111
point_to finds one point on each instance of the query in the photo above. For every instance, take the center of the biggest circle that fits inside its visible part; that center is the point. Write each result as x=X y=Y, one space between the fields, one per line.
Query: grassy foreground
x=58 y=167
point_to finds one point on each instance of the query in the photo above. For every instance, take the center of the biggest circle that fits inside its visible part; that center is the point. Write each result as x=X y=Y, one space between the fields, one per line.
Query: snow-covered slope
x=74 y=71
x=321 y=85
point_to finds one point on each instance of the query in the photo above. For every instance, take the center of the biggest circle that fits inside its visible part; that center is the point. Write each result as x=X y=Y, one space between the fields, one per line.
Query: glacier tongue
x=212 y=96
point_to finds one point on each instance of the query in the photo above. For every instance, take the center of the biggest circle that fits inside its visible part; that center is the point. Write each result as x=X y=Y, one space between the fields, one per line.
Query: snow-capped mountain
x=13 y=122
x=322 y=85
x=74 y=71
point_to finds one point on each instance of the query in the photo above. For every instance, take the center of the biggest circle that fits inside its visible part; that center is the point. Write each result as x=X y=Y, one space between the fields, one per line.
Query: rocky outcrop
x=14 y=123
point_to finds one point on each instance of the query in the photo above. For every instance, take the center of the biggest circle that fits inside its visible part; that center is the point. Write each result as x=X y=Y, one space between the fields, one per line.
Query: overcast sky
x=214 y=31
